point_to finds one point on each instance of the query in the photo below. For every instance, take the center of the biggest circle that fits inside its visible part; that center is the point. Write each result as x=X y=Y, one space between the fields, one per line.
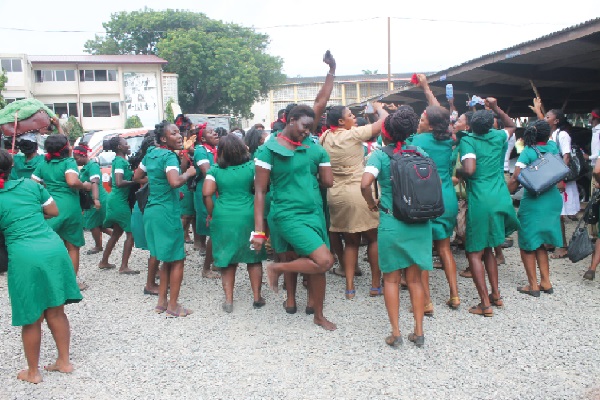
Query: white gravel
x=545 y=348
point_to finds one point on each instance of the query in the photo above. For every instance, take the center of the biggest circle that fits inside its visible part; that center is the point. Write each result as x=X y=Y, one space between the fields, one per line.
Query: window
x=8 y=101
x=98 y=75
x=114 y=108
x=62 y=109
x=11 y=65
x=61 y=75
x=101 y=109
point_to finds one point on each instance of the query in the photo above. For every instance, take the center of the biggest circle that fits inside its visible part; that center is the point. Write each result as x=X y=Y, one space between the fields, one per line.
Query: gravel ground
x=544 y=348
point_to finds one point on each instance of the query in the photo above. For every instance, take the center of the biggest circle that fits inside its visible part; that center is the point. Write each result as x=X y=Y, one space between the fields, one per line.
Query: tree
x=73 y=129
x=222 y=68
x=169 y=115
x=133 y=122
x=3 y=80
x=369 y=72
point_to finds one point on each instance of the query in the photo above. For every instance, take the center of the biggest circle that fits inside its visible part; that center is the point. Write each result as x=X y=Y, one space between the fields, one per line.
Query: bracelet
x=258 y=233
x=329 y=73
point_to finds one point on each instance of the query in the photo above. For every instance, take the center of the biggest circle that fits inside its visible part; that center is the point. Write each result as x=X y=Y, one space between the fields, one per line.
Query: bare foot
x=273 y=277
x=82 y=285
x=27 y=376
x=59 y=367
x=208 y=274
x=325 y=324
x=106 y=266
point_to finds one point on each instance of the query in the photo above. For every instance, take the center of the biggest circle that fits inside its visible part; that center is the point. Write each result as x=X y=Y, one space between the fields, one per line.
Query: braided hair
x=401 y=124
x=560 y=116
x=439 y=120
x=159 y=130
x=536 y=131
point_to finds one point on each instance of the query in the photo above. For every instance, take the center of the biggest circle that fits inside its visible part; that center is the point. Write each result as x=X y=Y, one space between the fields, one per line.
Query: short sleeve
x=374 y=163
x=525 y=158
x=37 y=174
x=212 y=173
x=119 y=166
x=95 y=171
x=362 y=133
x=45 y=197
x=466 y=149
x=263 y=158
x=200 y=156
x=171 y=162
x=564 y=140
x=324 y=160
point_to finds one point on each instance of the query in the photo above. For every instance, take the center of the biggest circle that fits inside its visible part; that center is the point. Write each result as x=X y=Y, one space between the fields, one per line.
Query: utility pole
x=389 y=58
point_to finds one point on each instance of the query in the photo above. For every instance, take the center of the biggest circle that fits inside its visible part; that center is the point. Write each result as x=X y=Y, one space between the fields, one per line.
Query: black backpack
x=416 y=186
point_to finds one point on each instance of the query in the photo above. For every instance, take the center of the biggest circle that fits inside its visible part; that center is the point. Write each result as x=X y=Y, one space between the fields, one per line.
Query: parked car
x=134 y=138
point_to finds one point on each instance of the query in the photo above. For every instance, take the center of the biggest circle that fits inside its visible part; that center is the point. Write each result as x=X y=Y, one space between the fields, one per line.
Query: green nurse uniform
x=117 y=205
x=202 y=155
x=162 y=221
x=491 y=216
x=94 y=218
x=233 y=215
x=440 y=152
x=23 y=168
x=539 y=215
x=40 y=272
x=68 y=224
x=400 y=244
x=295 y=213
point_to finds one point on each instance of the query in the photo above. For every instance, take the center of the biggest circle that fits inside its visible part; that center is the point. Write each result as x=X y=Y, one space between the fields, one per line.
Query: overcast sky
x=425 y=35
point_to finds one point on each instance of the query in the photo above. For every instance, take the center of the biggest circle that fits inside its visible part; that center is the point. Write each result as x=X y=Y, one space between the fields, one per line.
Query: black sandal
x=289 y=310
x=394 y=341
x=534 y=293
x=589 y=275
x=419 y=341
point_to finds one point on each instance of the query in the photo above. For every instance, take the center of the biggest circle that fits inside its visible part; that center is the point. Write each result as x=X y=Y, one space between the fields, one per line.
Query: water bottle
x=449 y=91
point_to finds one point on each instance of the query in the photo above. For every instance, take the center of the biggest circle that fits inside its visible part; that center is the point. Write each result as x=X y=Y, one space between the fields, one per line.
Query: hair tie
x=2 y=180
x=398 y=147
x=385 y=133
x=594 y=115
x=50 y=156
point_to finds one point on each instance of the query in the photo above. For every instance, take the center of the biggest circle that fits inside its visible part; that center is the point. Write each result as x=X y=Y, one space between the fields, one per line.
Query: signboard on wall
x=141 y=97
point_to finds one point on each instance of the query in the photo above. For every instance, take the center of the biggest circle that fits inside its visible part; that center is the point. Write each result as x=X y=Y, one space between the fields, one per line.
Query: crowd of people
x=306 y=195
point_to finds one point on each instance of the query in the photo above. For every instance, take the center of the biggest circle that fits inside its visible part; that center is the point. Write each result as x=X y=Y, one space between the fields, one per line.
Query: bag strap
x=539 y=154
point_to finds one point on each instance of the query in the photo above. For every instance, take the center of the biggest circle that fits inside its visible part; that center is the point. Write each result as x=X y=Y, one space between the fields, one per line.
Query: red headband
x=2 y=180
x=50 y=156
x=595 y=115
x=85 y=150
x=389 y=137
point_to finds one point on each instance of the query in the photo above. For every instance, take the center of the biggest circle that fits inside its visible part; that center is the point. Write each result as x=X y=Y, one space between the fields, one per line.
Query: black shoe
x=589 y=275
x=419 y=341
x=309 y=310
x=259 y=304
x=550 y=290
x=289 y=310
x=507 y=243
x=534 y=293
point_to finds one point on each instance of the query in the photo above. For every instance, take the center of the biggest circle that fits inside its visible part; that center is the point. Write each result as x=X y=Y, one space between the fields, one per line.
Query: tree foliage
x=3 y=79
x=73 y=129
x=169 y=115
x=133 y=122
x=222 y=67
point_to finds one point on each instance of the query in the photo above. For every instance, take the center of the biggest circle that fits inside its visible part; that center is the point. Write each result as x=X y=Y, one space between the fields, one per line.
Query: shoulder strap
x=388 y=151
x=539 y=154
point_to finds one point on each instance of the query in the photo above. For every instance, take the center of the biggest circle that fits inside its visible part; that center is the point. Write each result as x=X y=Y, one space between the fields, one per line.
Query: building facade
x=101 y=91
x=347 y=90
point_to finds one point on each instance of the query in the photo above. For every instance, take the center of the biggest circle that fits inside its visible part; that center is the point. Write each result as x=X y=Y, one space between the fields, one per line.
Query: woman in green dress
x=539 y=215
x=93 y=219
x=491 y=216
x=434 y=137
x=60 y=175
x=162 y=223
x=118 y=213
x=28 y=159
x=205 y=155
x=402 y=246
x=284 y=162
x=137 y=218
x=42 y=281
x=231 y=217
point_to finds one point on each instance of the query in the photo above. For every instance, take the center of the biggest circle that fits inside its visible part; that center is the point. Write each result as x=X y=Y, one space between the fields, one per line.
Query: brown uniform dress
x=348 y=209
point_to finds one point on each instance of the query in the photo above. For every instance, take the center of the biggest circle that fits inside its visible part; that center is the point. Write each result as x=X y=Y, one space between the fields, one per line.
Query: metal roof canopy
x=564 y=66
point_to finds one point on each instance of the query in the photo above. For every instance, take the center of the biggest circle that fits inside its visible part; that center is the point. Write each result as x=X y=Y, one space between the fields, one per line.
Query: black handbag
x=591 y=214
x=85 y=200
x=142 y=197
x=575 y=166
x=3 y=255
x=542 y=174
x=580 y=246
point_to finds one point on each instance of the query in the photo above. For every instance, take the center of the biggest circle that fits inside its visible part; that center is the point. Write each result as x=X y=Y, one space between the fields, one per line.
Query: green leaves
x=133 y=122
x=222 y=67
x=3 y=79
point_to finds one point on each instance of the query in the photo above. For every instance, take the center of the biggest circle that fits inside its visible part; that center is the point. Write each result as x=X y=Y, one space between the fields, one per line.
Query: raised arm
x=431 y=99
x=509 y=124
x=381 y=115
x=537 y=108
x=325 y=92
